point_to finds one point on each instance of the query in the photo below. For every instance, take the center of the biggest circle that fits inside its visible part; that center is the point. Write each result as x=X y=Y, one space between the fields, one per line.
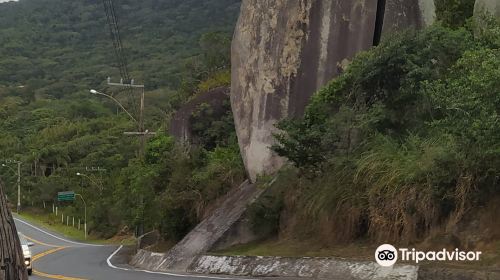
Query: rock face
x=491 y=7
x=180 y=125
x=283 y=51
x=400 y=14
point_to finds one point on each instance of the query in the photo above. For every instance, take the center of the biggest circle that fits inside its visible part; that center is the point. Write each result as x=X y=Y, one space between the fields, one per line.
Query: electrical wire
x=116 y=38
x=121 y=58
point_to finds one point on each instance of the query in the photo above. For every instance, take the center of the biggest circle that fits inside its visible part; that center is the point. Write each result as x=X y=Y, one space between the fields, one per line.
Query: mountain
x=65 y=46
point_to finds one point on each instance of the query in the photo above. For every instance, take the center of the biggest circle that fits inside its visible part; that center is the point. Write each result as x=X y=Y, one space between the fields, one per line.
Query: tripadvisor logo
x=387 y=255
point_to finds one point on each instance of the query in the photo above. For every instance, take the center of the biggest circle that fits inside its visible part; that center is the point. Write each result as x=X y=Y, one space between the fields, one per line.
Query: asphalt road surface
x=55 y=257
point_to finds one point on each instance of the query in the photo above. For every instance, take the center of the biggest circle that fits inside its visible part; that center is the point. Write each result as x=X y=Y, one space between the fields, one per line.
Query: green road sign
x=66 y=196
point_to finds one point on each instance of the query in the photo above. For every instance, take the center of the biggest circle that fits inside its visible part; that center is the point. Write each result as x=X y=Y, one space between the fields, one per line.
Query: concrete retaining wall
x=147 y=260
x=312 y=268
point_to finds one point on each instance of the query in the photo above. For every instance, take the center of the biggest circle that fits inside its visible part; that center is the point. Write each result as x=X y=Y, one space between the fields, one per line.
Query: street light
x=140 y=123
x=84 y=204
x=18 y=182
x=99 y=185
x=93 y=91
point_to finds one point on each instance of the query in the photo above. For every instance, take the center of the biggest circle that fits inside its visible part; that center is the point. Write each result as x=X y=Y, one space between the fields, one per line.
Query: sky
x=1 y=1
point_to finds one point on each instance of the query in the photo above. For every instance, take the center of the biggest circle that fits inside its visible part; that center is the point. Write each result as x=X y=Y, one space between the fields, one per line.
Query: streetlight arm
x=99 y=185
x=116 y=101
x=11 y=169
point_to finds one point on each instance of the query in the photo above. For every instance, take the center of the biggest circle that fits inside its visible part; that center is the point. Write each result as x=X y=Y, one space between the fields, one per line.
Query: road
x=55 y=257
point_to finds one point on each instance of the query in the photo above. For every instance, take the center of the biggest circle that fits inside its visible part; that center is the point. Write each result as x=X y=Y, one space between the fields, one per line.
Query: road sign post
x=70 y=196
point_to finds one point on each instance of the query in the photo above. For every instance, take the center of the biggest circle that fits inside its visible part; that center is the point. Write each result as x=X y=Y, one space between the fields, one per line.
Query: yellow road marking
x=46 y=253
x=39 y=242
x=41 y=255
x=51 y=276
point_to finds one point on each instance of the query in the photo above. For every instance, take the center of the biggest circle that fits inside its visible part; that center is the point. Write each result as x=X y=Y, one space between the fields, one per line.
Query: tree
x=11 y=254
x=454 y=13
x=216 y=50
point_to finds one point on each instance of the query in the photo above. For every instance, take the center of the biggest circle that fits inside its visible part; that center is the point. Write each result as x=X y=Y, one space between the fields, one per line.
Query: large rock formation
x=181 y=123
x=283 y=51
x=404 y=13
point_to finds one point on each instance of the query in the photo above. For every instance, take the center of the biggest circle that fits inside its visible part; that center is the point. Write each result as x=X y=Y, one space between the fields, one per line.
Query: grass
x=296 y=248
x=52 y=223
x=360 y=251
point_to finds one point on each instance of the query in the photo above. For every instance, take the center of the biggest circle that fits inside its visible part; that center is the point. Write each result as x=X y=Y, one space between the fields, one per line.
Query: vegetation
x=404 y=143
x=53 y=52
x=454 y=13
x=64 y=46
x=53 y=223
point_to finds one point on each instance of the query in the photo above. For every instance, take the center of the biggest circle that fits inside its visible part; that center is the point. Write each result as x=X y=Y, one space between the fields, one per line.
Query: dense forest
x=53 y=52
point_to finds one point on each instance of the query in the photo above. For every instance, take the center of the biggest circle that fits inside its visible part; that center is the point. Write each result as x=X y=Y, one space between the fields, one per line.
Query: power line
x=121 y=58
x=116 y=38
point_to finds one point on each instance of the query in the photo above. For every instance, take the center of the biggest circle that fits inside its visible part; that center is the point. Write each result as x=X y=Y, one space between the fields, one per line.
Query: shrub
x=405 y=141
x=379 y=92
x=454 y=13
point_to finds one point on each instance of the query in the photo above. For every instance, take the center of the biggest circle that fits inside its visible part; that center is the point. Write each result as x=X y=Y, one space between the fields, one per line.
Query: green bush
x=405 y=141
x=454 y=13
x=265 y=213
x=380 y=92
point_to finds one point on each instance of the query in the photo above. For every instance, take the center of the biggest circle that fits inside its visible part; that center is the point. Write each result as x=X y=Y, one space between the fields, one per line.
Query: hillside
x=65 y=46
x=53 y=52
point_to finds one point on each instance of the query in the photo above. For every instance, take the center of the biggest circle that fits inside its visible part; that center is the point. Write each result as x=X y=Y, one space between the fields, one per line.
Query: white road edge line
x=57 y=237
x=165 y=273
x=122 y=268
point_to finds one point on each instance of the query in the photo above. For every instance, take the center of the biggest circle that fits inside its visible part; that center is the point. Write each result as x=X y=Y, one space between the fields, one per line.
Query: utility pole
x=142 y=133
x=142 y=140
x=18 y=186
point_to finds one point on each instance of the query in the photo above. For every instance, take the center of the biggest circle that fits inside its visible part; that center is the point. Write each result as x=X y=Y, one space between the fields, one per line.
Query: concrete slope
x=203 y=237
